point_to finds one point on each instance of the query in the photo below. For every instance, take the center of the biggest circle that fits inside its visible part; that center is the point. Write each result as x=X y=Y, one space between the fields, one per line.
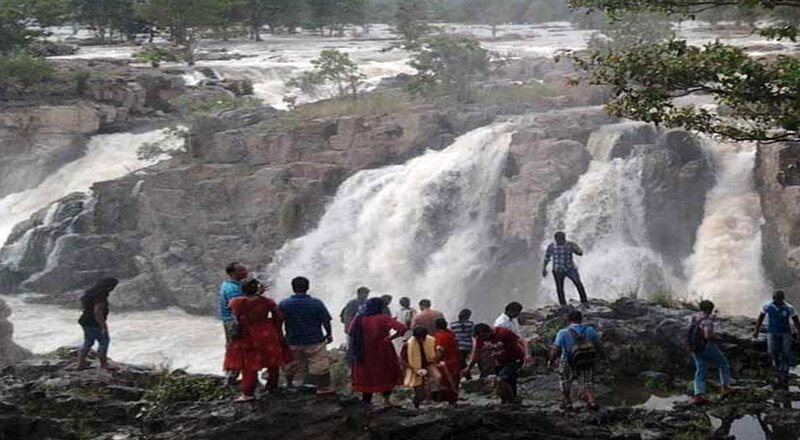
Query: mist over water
x=423 y=229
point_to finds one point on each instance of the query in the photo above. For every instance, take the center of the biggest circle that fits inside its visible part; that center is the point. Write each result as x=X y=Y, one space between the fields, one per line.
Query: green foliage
x=178 y=387
x=664 y=299
x=549 y=330
x=23 y=21
x=411 y=22
x=448 y=64
x=184 y=19
x=107 y=18
x=290 y=217
x=761 y=97
x=332 y=69
x=630 y=30
x=656 y=383
x=19 y=72
x=686 y=7
x=155 y=55
x=81 y=79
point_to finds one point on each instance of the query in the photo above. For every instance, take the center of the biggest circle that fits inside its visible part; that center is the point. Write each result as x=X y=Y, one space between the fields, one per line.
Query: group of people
x=419 y=348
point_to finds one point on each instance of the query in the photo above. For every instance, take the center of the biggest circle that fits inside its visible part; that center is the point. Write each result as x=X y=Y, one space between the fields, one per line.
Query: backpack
x=695 y=339
x=584 y=354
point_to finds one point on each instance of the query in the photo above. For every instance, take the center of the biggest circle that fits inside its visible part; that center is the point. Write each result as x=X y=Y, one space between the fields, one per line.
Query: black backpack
x=584 y=354
x=695 y=339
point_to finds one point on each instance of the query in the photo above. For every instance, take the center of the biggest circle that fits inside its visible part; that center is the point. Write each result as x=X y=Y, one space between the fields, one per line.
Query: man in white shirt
x=508 y=319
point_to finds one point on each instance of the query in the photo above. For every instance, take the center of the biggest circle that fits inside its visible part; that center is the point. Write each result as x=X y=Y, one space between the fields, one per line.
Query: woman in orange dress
x=261 y=344
x=376 y=367
x=449 y=361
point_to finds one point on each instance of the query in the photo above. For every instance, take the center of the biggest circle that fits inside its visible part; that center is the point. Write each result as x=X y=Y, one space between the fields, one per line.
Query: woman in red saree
x=261 y=344
x=449 y=361
x=376 y=367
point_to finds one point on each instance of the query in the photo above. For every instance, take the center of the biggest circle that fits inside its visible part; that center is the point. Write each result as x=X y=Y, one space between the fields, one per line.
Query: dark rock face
x=778 y=179
x=10 y=352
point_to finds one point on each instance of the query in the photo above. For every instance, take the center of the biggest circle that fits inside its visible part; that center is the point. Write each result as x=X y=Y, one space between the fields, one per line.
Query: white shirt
x=512 y=324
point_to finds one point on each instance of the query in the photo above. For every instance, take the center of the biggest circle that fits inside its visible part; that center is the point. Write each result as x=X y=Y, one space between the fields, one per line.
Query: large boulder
x=778 y=179
x=10 y=352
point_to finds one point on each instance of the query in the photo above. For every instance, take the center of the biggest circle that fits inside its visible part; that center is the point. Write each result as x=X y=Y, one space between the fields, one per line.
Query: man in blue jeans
x=779 y=334
x=563 y=267
x=708 y=353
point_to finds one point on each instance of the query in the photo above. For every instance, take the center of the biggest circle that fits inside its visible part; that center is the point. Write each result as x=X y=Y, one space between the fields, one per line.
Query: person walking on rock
x=703 y=345
x=577 y=350
x=449 y=361
x=563 y=267
x=510 y=319
x=462 y=329
x=779 y=334
x=305 y=318
x=426 y=317
x=260 y=343
x=94 y=322
x=418 y=356
x=376 y=367
x=229 y=289
x=508 y=354
x=353 y=307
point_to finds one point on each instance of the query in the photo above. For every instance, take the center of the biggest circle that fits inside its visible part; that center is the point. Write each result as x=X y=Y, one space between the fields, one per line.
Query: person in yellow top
x=419 y=358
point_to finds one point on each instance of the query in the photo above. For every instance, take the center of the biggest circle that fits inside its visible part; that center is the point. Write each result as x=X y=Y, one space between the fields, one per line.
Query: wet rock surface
x=43 y=398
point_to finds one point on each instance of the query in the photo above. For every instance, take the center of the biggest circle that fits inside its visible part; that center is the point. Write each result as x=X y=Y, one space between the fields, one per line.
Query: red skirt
x=262 y=346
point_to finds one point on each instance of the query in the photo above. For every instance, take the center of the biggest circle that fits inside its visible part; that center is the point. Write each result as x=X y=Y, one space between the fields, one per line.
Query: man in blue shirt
x=305 y=318
x=779 y=334
x=228 y=290
x=563 y=267
x=568 y=344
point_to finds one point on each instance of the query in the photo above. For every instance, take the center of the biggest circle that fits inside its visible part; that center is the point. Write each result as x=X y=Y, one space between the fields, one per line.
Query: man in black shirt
x=93 y=321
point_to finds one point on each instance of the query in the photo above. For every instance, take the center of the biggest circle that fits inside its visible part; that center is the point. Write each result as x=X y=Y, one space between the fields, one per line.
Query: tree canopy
x=759 y=98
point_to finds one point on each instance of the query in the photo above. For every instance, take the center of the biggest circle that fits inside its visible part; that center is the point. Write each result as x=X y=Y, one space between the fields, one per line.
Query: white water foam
x=423 y=229
x=172 y=336
x=726 y=265
x=108 y=156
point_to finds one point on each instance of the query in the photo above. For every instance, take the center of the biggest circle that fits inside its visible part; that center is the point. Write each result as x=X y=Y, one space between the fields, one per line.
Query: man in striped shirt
x=463 y=331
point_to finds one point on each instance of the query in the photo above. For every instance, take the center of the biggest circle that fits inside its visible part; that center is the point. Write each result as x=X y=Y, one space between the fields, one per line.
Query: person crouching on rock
x=577 y=349
x=259 y=343
x=418 y=356
x=508 y=354
x=93 y=320
x=376 y=368
x=449 y=361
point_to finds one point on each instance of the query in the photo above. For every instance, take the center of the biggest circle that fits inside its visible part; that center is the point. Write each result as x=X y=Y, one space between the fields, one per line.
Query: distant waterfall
x=726 y=265
x=604 y=214
x=423 y=229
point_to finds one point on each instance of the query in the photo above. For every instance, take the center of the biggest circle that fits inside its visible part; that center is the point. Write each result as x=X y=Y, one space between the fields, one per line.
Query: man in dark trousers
x=779 y=334
x=563 y=267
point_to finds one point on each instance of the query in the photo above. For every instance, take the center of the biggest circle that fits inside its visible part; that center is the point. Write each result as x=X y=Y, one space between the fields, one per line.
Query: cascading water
x=726 y=265
x=604 y=214
x=423 y=229
x=108 y=156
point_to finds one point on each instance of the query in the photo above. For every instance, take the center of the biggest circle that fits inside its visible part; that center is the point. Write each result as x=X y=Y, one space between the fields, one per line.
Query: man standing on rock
x=93 y=320
x=779 y=334
x=353 y=307
x=231 y=288
x=305 y=318
x=705 y=351
x=577 y=349
x=563 y=267
x=426 y=317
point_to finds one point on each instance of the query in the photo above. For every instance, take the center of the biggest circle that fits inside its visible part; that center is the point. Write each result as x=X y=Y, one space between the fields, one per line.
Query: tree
x=107 y=17
x=332 y=69
x=22 y=21
x=184 y=19
x=449 y=64
x=491 y=12
x=761 y=96
x=20 y=72
x=630 y=30
x=411 y=22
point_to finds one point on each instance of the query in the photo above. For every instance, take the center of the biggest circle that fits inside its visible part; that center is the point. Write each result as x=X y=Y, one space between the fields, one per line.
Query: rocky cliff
x=642 y=391
x=778 y=180
x=10 y=353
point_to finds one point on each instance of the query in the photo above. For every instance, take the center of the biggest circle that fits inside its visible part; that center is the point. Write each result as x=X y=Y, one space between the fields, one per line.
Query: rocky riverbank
x=41 y=398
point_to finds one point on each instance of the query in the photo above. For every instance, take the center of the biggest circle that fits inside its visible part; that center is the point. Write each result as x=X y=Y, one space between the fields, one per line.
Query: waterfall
x=423 y=229
x=108 y=156
x=604 y=214
x=726 y=265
